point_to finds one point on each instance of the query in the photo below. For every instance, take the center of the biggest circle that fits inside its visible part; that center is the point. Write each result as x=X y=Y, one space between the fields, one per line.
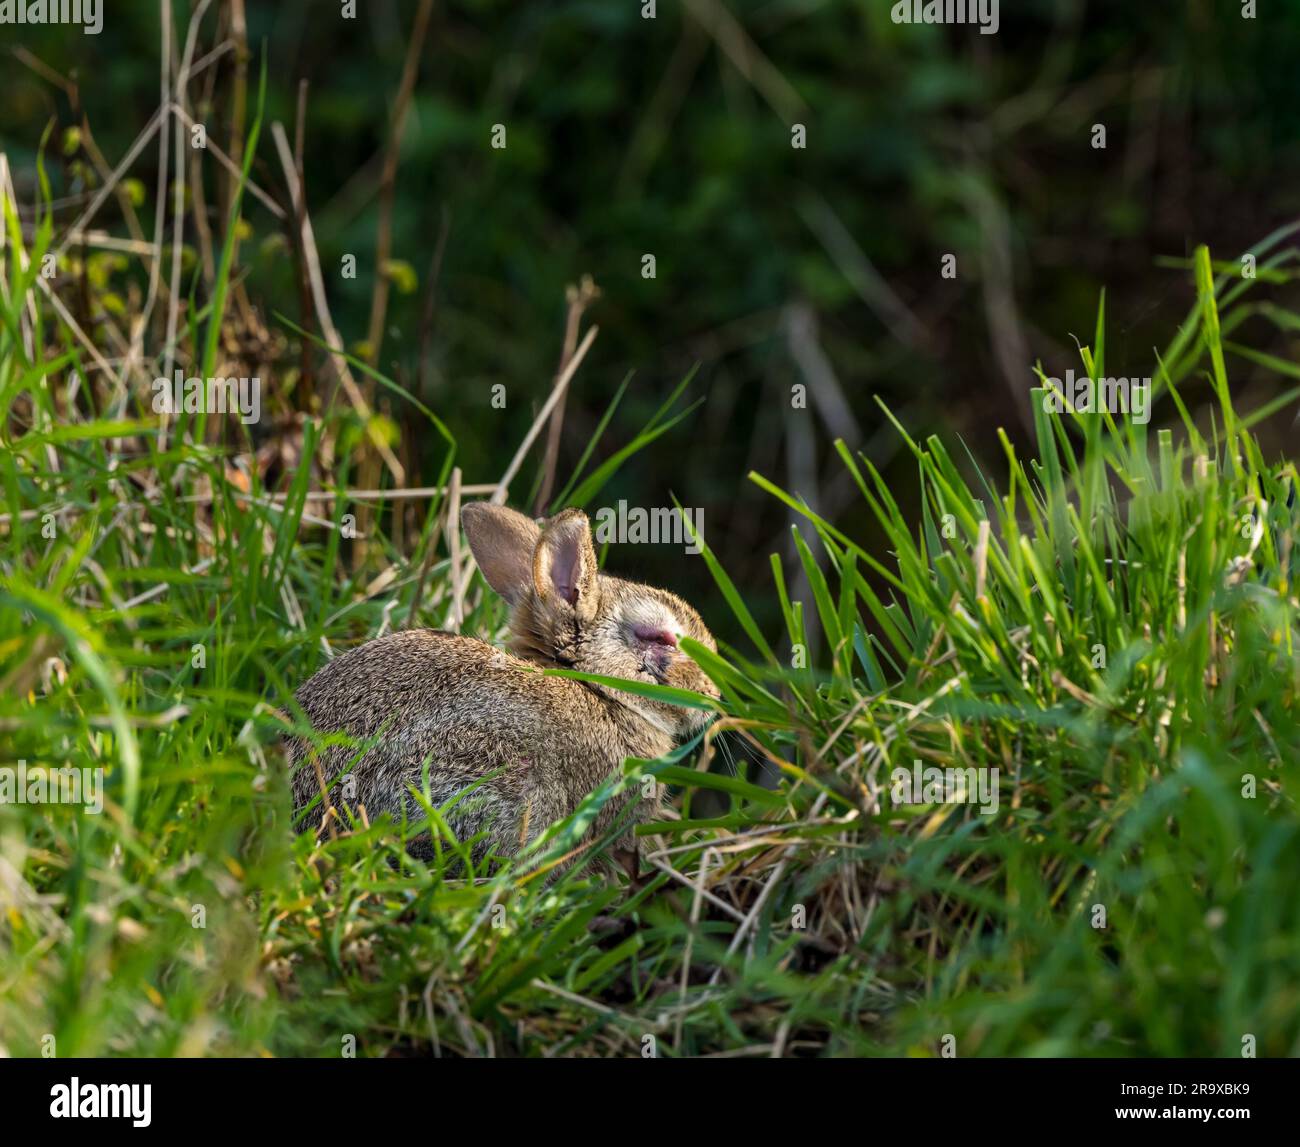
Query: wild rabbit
x=470 y=709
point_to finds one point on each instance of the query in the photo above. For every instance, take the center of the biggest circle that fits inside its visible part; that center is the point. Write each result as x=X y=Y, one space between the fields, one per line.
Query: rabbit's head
x=566 y=614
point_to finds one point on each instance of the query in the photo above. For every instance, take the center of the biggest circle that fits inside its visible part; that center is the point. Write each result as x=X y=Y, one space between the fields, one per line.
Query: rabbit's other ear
x=502 y=542
x=564 y=567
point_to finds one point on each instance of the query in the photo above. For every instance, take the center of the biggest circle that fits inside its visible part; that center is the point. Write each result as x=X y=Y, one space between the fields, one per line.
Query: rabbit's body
x=468 y=709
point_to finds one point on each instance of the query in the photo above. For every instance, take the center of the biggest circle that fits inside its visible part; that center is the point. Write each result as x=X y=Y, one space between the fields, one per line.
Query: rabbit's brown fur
x=469 y=708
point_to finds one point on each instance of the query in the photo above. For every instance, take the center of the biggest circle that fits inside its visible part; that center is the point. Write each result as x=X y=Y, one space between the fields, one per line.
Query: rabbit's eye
x=648 y=635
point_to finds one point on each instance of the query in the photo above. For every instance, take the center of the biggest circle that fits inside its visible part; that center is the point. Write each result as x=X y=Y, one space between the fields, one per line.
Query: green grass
x=1110 y=623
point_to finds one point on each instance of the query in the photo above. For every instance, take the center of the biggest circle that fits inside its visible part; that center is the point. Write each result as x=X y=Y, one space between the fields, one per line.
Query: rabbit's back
x=422 y=680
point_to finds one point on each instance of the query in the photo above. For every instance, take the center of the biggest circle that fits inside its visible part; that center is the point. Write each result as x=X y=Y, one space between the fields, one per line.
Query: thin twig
x=453 y=545
x=332 y=340
x=388 y=181
x=232 y=167
x=178 y=202
x=579 y=298
x=557 y=393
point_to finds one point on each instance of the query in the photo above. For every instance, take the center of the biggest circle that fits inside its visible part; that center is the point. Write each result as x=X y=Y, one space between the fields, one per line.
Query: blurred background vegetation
x=776 y=266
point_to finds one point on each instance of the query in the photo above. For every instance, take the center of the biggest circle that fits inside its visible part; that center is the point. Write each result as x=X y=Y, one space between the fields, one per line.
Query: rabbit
x=469 y=708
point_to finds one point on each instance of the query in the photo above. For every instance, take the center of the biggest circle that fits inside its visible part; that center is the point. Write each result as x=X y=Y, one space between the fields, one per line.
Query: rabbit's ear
x=502 y=542
x=565 y=564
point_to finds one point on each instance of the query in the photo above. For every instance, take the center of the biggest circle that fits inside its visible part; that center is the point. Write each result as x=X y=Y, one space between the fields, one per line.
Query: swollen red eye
x=652 y=636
